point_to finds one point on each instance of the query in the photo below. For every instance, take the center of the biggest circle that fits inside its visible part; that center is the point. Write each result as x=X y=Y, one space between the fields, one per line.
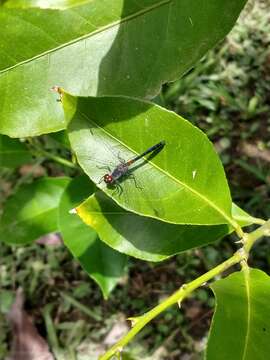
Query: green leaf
x=105 y=265
x=61 y=138
x=240 y=328
x=100 y=48
x=142 y=237
x=183 y=184
x=12 y=152
x=44 y=4
x=32 y=211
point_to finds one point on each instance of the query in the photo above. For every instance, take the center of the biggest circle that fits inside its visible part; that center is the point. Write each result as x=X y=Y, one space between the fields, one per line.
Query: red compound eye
x=108 y=179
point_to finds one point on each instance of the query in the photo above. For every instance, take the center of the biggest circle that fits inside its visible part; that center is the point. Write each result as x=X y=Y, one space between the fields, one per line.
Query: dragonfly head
x=108 y=179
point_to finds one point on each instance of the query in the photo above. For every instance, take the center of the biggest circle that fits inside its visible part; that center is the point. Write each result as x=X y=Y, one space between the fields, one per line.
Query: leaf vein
x=247 y=282
x=198 y=194
x=104 y=28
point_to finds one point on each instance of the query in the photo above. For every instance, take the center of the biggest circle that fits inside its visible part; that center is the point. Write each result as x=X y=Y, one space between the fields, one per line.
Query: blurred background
x=227 y=95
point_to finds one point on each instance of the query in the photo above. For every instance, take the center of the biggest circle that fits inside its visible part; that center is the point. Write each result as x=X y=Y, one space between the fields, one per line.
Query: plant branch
x=185 y=290
x=57 y=159
x=38 y=151
x=177 y=297
x=250 y=239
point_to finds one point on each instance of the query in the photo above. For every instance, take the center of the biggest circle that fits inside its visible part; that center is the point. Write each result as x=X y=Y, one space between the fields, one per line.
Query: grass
x=228 y=96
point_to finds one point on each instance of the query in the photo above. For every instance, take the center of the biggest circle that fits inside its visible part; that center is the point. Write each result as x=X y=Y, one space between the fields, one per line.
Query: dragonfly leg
x=118 y=188
x=122 y=161
x=132 y=176
x=104 y=167
x=101 y=179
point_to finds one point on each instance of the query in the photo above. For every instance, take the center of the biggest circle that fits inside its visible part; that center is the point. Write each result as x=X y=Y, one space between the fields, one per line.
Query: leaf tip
x=73 y=211
x=57 y=89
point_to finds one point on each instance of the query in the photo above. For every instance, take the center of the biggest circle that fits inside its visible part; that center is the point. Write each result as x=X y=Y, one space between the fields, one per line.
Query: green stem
x=56 y=158
x=175 y=298
x=60 y=160
x=251 y=238
x=258 y=221
x=239 y=257
x=37 y=150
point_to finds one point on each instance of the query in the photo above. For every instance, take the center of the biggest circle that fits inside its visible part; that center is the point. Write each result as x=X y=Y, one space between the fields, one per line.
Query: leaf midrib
x=246 y=272
x=88 y=35
x=205 y=199
x=32 y=218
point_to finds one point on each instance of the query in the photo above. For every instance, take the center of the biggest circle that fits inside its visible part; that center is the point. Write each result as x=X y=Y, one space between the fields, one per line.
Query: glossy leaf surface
x=44 y=4
x=240 y=327
x=101 y=262
x=32 y=211
x=12 y=152
x=184 y=183
x=142 y=237
x=100 y=48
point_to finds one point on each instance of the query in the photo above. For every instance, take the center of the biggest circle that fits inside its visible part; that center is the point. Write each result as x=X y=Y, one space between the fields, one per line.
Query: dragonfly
x=123 y=168
x=113 y=177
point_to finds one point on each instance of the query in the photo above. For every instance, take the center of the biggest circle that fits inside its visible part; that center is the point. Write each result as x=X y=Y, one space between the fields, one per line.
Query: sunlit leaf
x=100 y=48
x=184 y=183
x=44 y=4
x=142 y=237
x=105 y=265
x=240 y=327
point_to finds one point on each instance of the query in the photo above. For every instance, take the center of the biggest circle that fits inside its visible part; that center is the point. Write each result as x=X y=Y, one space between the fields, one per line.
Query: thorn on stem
x=239 y=242
x=119 y=353
x=132 y=320
x=243 y=240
